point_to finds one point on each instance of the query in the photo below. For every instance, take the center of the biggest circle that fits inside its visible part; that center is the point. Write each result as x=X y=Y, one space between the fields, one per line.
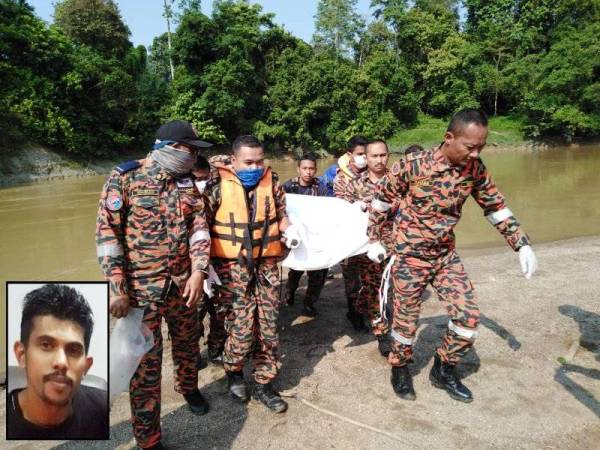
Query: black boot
x=237 y=386
x=309 y=310
x=384 y=344
x=198 y=405
x=265 y=394
x=443 y=376
x=356 y=319
x=215 y=355
x=402 y=383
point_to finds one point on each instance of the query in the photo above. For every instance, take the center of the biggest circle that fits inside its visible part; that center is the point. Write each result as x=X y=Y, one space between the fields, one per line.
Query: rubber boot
x=443 y=376
x=402 y=383
x=265 y=394
x=198 y=405
x=237 y=386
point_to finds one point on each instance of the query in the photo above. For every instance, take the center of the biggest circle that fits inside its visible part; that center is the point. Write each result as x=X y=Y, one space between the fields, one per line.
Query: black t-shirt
x=88 y=421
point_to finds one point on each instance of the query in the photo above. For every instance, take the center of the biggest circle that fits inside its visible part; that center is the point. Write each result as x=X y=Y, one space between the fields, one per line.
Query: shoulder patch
x=395 y=168
x=128 y=166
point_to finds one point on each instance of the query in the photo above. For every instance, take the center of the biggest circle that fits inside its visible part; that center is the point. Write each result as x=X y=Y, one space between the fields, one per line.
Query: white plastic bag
x=331 y=230
x=130 y=340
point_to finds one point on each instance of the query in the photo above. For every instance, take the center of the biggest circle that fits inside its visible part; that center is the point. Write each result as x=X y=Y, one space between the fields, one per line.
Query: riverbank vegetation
x=80 y=86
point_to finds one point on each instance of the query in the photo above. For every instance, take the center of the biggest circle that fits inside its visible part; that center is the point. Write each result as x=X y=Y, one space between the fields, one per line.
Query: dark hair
x=306 y=157
x=201 y=163
x=245 y=140
x=60 y=301
x=355 y=141
x=377 y=141
x=466 y=117
x=413 y=148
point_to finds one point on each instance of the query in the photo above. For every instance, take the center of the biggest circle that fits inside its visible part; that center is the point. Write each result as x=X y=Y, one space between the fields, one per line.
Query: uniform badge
x=114 y=202
x=396 y=169
x=185 y=183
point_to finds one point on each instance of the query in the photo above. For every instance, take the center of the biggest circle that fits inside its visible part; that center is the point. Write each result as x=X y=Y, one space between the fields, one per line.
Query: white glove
x=292 y=237
x=211 y=280
x=376 y=252
x=528 y=261
x=363 y=205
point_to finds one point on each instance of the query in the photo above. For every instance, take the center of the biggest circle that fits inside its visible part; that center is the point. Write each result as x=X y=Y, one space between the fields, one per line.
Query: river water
x=47 y=229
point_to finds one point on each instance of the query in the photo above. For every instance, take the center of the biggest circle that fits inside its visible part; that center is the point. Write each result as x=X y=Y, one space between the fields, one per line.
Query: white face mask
x=201 y=185
x=360 y=161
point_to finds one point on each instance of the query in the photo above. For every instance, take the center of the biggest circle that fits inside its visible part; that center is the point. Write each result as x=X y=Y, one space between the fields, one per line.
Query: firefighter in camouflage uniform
x=432 y=186
x=153 y=246
x=362 y=190
x=247 y=217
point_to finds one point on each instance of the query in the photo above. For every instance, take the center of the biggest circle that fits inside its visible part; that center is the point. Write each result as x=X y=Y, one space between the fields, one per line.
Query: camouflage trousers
x=447 y=275
x=216 y=325
x=144 y=388
x=316 y=280
x=250 y=303
x=367 y=300
x=351 y=276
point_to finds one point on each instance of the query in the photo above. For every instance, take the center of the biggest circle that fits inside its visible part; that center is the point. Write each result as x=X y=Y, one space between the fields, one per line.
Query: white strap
x=109 y=250
x=200 y=235
x=469 y=333
x=379 y=205
x=384 y=287
x=499 y=216
x=398 y=337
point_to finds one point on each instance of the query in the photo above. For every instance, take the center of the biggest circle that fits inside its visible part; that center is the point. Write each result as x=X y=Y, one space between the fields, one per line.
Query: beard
x=60 y=400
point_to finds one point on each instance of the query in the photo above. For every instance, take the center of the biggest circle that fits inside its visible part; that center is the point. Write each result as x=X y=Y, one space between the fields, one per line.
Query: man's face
x=377 y=157
x=185 y=148
x=201 y=174
x=466 y=144
x=307 y=170
x=248 y=158
x=54 y=359
x=358 y=150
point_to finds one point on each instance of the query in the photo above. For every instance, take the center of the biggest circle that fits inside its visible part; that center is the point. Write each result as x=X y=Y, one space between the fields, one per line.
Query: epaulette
x=128 y=166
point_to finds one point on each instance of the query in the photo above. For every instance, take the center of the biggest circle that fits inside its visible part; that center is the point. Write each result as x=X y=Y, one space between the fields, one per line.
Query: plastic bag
x=130 y=340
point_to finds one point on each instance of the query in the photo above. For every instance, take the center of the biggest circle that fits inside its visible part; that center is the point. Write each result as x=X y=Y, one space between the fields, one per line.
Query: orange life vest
x=233 y=233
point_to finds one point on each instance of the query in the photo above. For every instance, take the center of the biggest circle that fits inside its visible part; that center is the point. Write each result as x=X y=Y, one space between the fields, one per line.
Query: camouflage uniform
x=432 y=194
x=149 y=224
x=316 y=278
x=370 y=273
x=350 y=270
x=248 y=298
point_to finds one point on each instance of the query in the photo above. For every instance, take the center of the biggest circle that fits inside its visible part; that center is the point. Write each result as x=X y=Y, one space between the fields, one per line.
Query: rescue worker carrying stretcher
x=247 y=218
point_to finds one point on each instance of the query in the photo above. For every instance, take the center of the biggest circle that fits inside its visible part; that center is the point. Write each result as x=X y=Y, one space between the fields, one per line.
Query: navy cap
x=181 y=132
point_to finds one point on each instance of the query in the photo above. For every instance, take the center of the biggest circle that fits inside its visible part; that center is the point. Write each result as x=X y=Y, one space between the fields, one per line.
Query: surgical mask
x=250 y=177
x=201 y=185
x=360 y=161
x=176 y=162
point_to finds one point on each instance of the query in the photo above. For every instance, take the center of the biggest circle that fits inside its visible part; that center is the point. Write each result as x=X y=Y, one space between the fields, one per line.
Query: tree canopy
x=79 y=84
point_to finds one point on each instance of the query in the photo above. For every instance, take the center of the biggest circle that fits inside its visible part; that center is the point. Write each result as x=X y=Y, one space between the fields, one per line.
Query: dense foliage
x=79 y=84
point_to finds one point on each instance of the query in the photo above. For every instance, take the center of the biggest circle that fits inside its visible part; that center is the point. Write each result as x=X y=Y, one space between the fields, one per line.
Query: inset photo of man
x=57 y=361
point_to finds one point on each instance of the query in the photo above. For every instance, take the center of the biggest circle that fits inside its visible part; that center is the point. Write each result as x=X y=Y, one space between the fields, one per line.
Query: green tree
x=337 y=26
x=96 y=23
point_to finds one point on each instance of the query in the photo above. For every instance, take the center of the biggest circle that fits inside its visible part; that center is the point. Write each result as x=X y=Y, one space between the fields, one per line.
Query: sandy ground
x=524 y=397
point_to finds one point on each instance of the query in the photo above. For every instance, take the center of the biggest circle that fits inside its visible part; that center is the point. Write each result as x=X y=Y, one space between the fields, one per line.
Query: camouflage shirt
x=317 y=188
x=340 y=182
x=431 y=194
x=149 y=225
x=363 y=189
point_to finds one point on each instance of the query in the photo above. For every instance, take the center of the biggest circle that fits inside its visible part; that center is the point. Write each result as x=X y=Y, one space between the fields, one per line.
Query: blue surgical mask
x=250 y=177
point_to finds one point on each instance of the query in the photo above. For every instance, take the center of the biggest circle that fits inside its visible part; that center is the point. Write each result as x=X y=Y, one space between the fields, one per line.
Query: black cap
x=181 y=132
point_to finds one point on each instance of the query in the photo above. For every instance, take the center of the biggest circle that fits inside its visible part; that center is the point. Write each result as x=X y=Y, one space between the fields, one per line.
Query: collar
x=440 y=163
x=154 y=170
